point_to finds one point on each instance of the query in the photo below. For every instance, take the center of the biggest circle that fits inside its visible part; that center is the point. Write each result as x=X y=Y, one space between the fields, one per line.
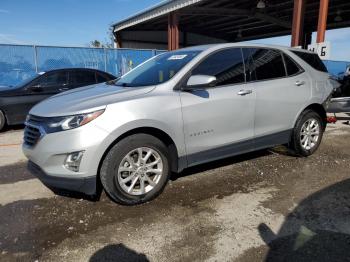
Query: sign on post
x=322 y=49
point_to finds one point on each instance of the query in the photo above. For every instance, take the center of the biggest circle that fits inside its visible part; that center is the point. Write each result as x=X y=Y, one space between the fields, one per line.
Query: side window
x=291 y=66
x=312 y=59
x=268 y=64
x=52 y=79
x=101 y=78
x=81 y=78
x=226 y=65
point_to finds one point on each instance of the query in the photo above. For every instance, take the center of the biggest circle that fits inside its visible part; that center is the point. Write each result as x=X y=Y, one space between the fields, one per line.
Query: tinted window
x=227 y=65
x=268 y=64
x=158 y=69
x=52 y=79
x=101 y=78
x=291 y=66
x=312 y=59
x=82 y=77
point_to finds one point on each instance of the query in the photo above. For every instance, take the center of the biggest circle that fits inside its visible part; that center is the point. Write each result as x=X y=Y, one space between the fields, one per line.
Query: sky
x=77 y=22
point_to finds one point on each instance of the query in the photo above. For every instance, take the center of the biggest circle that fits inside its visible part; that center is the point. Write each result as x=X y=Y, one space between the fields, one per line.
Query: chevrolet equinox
x=174 y=111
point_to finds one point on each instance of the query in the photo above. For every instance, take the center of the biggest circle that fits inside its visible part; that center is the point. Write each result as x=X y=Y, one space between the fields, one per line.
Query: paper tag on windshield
x=177 y=57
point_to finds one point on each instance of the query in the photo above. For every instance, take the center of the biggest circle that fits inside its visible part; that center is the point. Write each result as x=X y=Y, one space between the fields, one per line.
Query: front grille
x=32 y=131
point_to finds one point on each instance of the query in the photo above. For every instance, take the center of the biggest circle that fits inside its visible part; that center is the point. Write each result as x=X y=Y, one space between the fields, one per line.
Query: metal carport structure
x=180 y=23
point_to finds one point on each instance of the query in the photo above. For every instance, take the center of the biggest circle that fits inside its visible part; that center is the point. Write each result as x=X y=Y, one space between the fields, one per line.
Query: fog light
x=73 y=160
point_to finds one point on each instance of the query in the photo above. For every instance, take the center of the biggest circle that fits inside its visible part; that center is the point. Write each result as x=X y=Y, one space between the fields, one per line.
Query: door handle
x=244 y=92
x=63 y=89
x=299 y=83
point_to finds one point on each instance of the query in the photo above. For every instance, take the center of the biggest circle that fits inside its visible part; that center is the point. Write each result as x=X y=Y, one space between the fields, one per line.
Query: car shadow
x=119 y=253
x=318 y=229
x=12 y=128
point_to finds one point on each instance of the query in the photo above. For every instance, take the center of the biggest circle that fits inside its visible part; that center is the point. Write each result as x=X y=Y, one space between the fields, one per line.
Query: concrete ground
x=267 y=205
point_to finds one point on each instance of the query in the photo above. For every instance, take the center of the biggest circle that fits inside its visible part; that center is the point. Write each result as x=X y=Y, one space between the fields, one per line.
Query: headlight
x=57 y=124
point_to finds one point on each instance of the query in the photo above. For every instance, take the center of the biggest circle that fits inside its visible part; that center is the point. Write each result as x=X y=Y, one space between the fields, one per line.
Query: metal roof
x=160 y=9
x=233 y=21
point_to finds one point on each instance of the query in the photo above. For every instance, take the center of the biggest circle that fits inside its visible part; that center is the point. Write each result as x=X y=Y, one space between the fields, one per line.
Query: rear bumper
x=85 y=185
x=339 y=105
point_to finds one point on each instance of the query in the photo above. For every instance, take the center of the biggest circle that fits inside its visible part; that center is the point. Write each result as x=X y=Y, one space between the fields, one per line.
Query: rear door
x=219 y=121
x=281 y=91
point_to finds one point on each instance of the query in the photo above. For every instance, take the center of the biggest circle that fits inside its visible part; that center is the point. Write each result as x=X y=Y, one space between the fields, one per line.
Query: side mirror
x=200 y=81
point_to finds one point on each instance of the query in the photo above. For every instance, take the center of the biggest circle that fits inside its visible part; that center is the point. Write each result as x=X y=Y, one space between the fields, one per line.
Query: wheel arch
x=156 y=132
x=318 y=108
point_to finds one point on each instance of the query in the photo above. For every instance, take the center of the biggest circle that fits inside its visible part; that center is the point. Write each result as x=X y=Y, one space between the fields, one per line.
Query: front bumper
x=47 y=158
x=85 y=185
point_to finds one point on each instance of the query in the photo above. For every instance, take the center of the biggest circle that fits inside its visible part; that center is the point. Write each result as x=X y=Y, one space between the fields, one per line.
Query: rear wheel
x=2 y=120
x=307 y=133
x=135 y=170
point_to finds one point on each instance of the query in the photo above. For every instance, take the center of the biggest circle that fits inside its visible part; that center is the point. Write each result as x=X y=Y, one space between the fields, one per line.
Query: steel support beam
x=307 y=39
x=235 y=12
x=298 y=23
x=173 y=31
x=322 y=21
x=118 y=40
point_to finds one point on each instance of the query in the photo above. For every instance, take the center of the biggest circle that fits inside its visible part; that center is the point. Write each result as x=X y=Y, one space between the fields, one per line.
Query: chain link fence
x=18 y=62
x=336 y=68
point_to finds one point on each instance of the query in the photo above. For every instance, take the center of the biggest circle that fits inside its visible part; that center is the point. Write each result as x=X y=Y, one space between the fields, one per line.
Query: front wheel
x=307 y=133
x=135 y=170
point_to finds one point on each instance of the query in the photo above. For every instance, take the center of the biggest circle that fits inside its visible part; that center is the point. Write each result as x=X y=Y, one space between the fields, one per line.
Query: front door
x=219 y=121
x=47 y=85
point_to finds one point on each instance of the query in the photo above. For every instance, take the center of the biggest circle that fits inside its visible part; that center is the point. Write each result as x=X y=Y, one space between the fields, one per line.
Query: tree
x=107 y=43
x=96 y=43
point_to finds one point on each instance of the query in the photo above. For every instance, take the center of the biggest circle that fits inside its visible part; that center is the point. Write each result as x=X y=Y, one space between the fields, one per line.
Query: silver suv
x=177 y=110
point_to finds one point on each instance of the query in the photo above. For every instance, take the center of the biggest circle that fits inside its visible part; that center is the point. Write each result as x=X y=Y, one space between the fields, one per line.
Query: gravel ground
x=267 y=205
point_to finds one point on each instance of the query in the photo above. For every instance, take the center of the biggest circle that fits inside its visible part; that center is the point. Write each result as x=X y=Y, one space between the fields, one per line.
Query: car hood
x=86 y=99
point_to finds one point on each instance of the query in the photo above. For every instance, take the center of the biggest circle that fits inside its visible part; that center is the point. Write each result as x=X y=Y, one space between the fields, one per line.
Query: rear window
x=82 y=77
x=313 y=60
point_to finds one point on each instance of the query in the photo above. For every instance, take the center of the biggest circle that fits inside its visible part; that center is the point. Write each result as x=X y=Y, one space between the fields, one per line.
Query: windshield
x=157 y=70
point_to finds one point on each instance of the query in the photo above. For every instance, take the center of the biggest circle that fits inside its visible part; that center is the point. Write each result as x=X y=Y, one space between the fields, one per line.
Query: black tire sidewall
x=2 y=120
x=296 y=133
x=109 y=168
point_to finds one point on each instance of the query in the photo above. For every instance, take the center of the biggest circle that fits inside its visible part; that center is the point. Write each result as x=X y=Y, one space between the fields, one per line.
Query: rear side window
x=291 y=67
x=82 y=77
x=226 y=65
x=313 y=60
x=267 y=64
x=101 y=78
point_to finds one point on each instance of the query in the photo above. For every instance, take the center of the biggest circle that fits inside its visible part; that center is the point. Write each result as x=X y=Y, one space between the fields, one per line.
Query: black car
x=15 y=102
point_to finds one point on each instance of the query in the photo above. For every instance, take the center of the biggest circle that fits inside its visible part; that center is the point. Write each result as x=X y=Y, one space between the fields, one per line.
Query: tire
x=303 y=141
x=116 y=167
x=2 y=120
